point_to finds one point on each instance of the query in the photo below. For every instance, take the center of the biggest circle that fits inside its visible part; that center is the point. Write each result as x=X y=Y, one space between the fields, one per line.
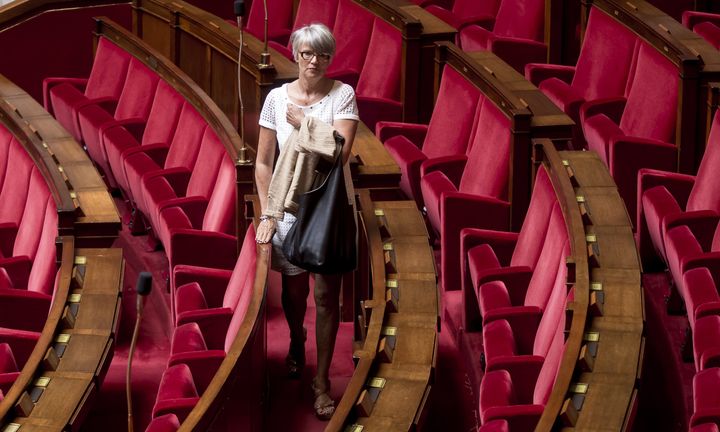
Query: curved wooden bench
x=184 y=33
x=85 y=208
x=598 y=377
x=698 y=65
x=398 y=317
x=75 y=347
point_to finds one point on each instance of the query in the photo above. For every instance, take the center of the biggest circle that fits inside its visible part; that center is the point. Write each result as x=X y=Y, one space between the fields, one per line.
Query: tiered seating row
x=60 y=380
x=144 y=123
x=218 y=334
x=85 y=209
x=615 y=316
x=57 y=326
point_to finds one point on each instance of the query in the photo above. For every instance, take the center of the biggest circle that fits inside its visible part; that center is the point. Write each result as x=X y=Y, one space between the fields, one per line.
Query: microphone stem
x=242 y=153
x=128 y=370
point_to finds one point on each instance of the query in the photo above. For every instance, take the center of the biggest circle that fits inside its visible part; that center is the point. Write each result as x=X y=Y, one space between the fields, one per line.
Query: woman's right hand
x=265 y=230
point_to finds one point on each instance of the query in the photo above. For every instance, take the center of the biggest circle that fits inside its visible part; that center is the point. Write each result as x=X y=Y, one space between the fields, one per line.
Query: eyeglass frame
x=321 y=57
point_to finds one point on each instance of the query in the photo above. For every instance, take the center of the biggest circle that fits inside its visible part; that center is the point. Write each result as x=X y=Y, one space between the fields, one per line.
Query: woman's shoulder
x=278 y=92
x=342 y=90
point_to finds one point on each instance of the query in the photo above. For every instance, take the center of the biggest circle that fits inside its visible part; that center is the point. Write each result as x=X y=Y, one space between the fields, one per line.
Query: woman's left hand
x=295 y=115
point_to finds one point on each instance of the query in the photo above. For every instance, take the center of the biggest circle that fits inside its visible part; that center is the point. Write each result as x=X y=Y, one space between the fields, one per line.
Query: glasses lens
x=308 y=55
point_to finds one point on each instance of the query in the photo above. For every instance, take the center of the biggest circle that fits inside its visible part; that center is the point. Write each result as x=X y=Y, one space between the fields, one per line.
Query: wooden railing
x=397 y=320
x=599 y=373
x=85 y=208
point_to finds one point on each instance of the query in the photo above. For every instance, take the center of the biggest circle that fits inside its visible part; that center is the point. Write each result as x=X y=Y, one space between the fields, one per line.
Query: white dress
x=338 y=104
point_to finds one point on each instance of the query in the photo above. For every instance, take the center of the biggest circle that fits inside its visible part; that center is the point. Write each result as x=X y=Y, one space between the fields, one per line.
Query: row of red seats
x=28 y=229
x=457 y=166
x=624 y=95
x=211 y=305
x=157 y=149
x=515 y=291
x=512 y=29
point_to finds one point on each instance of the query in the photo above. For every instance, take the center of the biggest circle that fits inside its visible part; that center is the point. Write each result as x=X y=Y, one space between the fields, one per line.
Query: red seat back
x=545 y=272
x=31 y=224
x=532 y=233
x=549 y=369
x=138 y=93
x=651 y=109
x=109 y=69
x=353 y=27
x=380 y=76
x=279 y=17
x=44 y=268
x=705 y=194
x=315 y=11
x=604 y=63
x=488 y=165
x=186 y=142
x=220 y=212
x=521 y=19
x=246 y=267
x=453 y=117
x=554 y=310
x=164 y=115
x=470 y=8
x=15 y=187
x=205 y=170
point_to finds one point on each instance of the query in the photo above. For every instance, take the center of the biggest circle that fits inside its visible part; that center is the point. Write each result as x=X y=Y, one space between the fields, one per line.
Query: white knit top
x=338 y=104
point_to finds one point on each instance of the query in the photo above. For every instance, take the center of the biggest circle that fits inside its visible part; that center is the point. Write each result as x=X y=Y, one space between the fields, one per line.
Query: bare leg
x=327 y=295
x=295 y=290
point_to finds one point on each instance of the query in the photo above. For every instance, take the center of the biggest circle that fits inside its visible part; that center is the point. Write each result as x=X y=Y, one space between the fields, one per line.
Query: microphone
x=239 y=8
x=142 y=289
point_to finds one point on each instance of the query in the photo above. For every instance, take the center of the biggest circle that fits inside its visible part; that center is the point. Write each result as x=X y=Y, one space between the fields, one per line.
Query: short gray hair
x=316 y=36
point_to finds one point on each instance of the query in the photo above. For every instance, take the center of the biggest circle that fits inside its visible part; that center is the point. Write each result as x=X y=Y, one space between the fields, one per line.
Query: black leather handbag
x=323 y=239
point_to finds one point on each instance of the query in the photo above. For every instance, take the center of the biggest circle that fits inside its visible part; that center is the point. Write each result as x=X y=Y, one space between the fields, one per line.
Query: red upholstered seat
x=174 y=186
x=646 y=127
x=202 y=232
x=209 y=296
x=120 y=142
x=447 y=134
x=705 y=24
x=487 y=255
x=706 y=398
x=705 y=427
x=466 y=12
x=13 y=195
x=516 y=35
x=669 y=199
x=479 y=198
x=378 y=88
x=518 y=393
x=279 y=20
x=21 y=343
x=495 y=426
x=9 y=370
x=132 y=111
x=353 y=27
x=519 y=331
x=63 y=97
x=180 y=155
x=177 y=393
x=692 y=246
x=164 y=423
x=25 y=298
x=520 y=289
x=601 y=71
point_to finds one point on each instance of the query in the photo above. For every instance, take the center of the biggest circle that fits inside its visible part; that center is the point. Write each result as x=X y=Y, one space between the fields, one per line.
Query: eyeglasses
x=308 y=55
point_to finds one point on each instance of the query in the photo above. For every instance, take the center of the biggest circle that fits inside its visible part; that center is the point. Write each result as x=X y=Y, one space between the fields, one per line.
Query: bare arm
x=263 y=174
x=347 y=129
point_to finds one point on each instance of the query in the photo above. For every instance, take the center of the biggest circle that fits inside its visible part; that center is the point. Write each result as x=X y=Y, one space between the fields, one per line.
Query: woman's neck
x=309 y=90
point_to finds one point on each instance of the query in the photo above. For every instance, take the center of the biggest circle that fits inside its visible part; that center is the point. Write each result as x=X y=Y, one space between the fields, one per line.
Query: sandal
x=295 y=360
x=324 y=405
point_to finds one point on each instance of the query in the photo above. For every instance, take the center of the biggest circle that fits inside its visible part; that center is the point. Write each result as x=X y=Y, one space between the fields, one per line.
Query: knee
x=327 y=295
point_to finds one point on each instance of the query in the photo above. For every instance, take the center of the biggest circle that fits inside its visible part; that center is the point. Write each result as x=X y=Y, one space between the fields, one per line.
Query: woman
x=332 y=102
